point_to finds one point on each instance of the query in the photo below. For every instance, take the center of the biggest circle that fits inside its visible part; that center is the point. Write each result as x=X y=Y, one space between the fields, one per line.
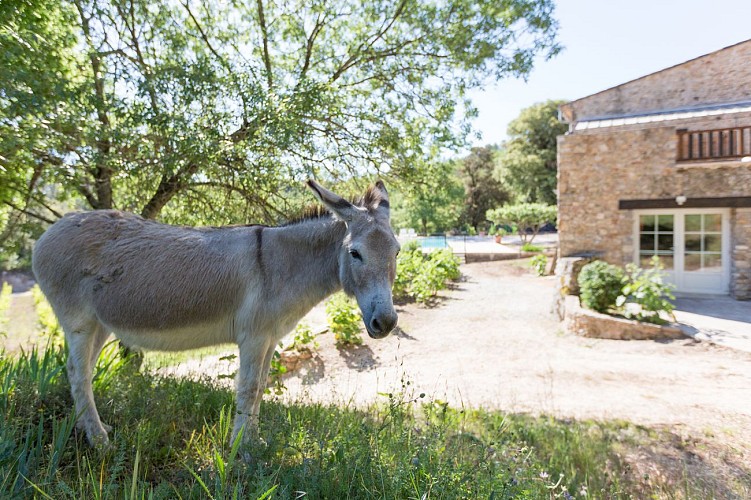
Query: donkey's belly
x=177 y=339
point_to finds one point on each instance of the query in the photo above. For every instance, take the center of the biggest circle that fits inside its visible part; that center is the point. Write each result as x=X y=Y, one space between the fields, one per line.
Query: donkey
x=174 y=288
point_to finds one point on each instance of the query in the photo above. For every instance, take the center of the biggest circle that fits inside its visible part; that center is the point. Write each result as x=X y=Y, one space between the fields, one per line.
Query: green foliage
x=420 y=276
x=5 y=296
x=600 y=285
x=538 y=263
x=527 y=162
x=431 y=201
x=276 y=373
x=527 y=218
x=211 y=110
x=528 y=247
x=344 y=320
x=645 y=296
x=304 y=338
x=48 y=324
x=481 y=190
x=639 y=294
x=408 y=447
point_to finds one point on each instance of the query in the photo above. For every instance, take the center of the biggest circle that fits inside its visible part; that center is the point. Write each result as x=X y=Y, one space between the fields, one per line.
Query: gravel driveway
x=494 y=342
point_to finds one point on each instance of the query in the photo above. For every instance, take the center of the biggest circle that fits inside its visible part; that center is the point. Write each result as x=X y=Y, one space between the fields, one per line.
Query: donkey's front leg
x=255 y=358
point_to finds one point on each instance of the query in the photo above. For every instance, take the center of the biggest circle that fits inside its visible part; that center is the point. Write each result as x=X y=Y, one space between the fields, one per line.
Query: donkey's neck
x=300 y=263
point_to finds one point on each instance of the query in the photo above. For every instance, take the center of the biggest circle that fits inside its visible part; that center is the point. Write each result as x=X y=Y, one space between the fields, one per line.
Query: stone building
x=661 y=165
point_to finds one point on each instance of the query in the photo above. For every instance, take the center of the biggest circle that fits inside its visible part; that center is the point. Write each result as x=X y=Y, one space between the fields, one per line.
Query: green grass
x=171 y=440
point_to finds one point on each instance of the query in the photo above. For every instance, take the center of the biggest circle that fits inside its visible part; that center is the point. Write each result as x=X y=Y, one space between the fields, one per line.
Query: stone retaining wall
x=587 y=323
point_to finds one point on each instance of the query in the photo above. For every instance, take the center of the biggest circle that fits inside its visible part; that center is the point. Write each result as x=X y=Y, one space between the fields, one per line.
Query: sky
x=609 y=42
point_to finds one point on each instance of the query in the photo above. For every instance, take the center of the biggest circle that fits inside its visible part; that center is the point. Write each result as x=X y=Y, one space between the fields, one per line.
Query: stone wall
x=600 y=167
x=581 y=321
x=719 y=77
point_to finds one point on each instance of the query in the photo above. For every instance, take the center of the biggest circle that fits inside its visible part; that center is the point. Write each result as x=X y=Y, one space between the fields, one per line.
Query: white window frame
x=677 y=275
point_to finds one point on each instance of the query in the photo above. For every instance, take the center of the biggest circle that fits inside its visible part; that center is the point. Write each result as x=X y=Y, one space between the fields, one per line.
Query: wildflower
x=544 y=475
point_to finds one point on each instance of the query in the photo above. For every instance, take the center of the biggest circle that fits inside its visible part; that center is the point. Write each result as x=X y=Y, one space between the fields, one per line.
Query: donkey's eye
x=355 y=254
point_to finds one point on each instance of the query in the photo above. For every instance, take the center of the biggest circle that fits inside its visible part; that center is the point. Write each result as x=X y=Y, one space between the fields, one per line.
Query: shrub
x=600 y=284
x=420 y=276
x=648 y=293
x=538 y=264
x=528 y=247
x=304 y=338
x=344 y=320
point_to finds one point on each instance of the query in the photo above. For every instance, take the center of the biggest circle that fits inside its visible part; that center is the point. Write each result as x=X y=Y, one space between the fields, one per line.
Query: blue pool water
x=433 y=242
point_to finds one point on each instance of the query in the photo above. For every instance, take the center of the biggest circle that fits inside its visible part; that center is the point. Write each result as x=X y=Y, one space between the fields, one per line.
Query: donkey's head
x=367 y=261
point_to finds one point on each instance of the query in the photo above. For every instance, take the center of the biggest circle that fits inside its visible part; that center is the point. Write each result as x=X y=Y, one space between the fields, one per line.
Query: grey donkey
x=173 y=288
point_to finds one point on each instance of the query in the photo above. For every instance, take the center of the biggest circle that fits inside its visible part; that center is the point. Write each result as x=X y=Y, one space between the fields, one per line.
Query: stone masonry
x=598 y=167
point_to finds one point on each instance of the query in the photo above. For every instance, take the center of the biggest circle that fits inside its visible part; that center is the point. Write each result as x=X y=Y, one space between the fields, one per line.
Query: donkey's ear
x=381 y=187
x=340 y=207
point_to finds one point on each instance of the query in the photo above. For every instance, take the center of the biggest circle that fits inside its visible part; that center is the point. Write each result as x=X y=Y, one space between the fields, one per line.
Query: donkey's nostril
x=375 y=326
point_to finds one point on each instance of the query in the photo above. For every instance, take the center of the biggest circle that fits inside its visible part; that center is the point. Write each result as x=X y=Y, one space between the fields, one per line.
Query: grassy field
x=170 y=440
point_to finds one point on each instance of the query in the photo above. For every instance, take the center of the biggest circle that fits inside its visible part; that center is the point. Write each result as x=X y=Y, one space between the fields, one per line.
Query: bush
x=647 y=292
x=344 y=320
x=528 y=247
x=420 y=276
x=637 y=293
x=538 y=264
x=600 y=284
x=304 y=338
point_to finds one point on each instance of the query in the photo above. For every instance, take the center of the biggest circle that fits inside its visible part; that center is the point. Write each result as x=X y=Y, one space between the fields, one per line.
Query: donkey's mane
x=370 y=200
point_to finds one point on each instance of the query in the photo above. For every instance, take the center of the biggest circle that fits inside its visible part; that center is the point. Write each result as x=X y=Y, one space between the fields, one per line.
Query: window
x=656 y=237
x=703 y=248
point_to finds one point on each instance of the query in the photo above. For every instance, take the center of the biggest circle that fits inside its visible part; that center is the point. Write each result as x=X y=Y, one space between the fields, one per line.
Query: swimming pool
x=431 y=242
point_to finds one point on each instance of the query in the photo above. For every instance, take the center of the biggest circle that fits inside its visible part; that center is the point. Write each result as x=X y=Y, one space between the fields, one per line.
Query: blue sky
x=609 y=42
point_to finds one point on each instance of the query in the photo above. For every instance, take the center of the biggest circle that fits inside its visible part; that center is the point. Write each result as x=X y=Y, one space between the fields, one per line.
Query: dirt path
x=494 y=342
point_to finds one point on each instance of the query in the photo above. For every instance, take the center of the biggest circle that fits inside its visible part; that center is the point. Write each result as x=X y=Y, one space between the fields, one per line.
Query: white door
x=692 y=245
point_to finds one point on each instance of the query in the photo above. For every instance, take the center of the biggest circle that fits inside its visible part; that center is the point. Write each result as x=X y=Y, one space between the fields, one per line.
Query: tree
x=482 y=190
x=528 y=218
x=217 y=107
x=432 y=200
x=528 y=164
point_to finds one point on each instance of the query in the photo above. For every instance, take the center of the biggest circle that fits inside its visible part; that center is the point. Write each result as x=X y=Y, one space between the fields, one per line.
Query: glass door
x=692 y=246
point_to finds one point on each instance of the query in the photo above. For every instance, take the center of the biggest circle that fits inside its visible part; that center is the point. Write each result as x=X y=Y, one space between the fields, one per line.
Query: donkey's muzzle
x=380 y=325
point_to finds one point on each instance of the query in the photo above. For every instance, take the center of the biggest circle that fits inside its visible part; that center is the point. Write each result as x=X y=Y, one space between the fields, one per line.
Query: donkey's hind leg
x=82 y=346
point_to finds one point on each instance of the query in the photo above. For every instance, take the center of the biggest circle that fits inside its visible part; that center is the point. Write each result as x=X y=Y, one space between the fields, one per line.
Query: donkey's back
x=132 y=274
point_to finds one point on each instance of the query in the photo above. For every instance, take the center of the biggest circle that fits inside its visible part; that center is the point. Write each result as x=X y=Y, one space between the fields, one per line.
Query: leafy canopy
x=218 y=107
x=528 y=218
x=528 y=164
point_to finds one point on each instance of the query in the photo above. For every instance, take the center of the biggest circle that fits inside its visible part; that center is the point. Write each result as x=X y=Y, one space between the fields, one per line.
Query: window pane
x=664 y=242
x=665 y=223
x=712 y=243
x=693 y=243
x=645 y=261
x=713 y=223
x=713 y=262
x=647 y=222
x=693 y=222
x=667 y=262
x=646 y=242
x=692 y=262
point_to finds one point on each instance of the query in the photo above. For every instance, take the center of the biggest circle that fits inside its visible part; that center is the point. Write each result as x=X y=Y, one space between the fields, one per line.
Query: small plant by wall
x=344 y=320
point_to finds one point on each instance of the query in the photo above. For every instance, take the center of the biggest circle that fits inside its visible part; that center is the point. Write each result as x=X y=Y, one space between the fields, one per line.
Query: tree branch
x=264 y=32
